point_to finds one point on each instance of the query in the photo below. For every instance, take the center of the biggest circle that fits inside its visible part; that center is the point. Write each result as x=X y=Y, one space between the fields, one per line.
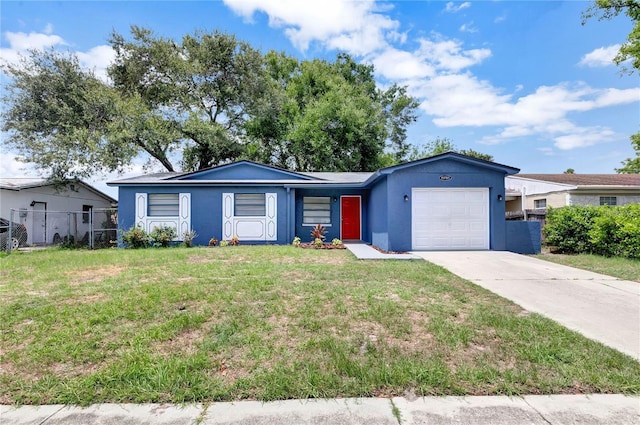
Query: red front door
x=350 y=217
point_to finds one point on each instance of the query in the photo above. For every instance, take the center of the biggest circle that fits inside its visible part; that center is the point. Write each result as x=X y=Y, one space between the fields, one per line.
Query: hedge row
x=608 y=231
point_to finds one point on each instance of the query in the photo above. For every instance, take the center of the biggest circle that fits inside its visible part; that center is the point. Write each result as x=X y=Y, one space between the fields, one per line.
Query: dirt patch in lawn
x=330 y=260
x=94 y=274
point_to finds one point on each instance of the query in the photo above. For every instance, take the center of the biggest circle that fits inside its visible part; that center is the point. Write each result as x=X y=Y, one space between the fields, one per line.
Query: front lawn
x=623 y=268
x=273 y=322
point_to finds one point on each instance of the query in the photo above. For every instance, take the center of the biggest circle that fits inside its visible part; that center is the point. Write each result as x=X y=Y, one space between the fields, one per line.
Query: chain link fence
x=93 y=228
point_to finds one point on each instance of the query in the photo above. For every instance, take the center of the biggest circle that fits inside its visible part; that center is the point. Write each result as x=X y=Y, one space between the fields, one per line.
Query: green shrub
x=616 y=232
x=602 y=230
x=136 y=237
x=568 y=228
x=163 y=235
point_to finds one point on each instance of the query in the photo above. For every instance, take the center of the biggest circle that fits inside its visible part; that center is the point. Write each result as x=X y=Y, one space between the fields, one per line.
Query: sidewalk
x=544 y=410
x=366 y=252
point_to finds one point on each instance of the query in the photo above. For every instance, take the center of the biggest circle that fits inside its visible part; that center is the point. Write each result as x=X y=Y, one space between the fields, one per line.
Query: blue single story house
x=444 y=202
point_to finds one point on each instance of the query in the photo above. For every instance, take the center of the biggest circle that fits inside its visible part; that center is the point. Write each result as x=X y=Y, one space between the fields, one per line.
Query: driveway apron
x=600 y=307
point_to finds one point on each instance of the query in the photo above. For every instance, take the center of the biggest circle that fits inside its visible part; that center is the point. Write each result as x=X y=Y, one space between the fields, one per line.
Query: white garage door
x=448 y=219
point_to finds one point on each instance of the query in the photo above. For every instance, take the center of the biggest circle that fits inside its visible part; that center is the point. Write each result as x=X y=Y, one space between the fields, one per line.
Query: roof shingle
x=587 y=179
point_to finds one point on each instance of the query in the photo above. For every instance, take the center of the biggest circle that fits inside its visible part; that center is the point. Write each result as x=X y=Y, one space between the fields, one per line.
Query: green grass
x=623 y=268
x=199 y=325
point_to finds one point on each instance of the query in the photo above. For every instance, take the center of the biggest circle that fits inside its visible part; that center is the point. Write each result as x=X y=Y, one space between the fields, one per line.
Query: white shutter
x=141 y=210
x=184 y=218
x=227 y=216
x=272 y=216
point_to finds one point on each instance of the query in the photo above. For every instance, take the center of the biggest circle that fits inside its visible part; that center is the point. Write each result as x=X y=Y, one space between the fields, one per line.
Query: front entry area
x=350 y=218
x=450 y=219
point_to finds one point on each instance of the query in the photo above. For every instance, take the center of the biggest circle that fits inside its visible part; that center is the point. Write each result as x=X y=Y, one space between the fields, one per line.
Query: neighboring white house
x=43 y=208
x=539 y=191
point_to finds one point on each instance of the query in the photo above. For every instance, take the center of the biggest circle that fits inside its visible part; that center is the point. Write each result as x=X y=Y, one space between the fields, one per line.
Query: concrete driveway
x=600 y=307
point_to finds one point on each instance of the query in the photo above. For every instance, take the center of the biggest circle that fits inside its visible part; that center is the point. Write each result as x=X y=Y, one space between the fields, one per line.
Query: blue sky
x=523 y=81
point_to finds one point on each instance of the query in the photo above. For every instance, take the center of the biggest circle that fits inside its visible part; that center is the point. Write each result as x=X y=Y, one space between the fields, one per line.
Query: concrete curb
x=544 y=410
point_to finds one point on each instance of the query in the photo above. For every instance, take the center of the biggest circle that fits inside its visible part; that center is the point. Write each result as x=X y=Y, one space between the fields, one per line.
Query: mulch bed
x=323 y=246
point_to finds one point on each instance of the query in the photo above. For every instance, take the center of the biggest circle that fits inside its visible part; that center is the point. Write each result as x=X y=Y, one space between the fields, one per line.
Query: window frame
x=603 y=201
x=325 y=200
x=166 y=204
x=250 y=203
x=86 y=210
x=536 y=203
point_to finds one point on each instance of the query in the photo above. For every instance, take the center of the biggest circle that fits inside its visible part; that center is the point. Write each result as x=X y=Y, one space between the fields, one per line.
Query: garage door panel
x=444 y=219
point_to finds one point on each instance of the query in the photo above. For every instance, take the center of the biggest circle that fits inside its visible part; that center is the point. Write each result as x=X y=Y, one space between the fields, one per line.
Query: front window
x=608 y=200
x=86 y=210
x=250 y=205
x=316 y=210
x=164 y=204
x=540 y=204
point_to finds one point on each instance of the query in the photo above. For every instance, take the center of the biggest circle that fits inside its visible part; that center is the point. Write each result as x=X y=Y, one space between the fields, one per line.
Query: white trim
x=181 y=222
x=360 y=204
x=249 y=228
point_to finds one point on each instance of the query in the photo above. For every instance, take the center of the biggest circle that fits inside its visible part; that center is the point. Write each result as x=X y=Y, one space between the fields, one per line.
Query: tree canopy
x=607 y=9
x=192 y=97
x=443 y=145
x=629 y=51
x=57 y=116
x=329 y=116
x=202 y=101
x=632 y=165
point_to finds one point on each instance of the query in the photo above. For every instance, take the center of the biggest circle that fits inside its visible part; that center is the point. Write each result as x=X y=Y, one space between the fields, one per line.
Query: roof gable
x=242 y=170
x=447 y=157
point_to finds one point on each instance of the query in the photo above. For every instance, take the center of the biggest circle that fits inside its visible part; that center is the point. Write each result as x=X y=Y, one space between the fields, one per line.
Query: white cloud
x=397 y=64
x=455 y=8
x=449 y=55
x=21 y=42
x=11 y=167
x=97 y=58
x=602 y=56
x=438 y=71
x=334 y=23
x=582 y=137
x=464 y=100
x=32 y=40
x=468 y=28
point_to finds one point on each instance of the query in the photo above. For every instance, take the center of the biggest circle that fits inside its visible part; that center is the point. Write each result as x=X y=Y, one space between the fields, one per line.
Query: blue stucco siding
x=385 y=217
x=243 y=171
x=206 y=208
x=523 y=237
x=428 y=175
x=378 y=228
x=333 y=230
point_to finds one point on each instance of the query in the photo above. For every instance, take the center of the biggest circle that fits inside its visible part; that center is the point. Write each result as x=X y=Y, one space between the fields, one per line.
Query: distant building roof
x=587 y=179
x=17 y=183
x=21 y=183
